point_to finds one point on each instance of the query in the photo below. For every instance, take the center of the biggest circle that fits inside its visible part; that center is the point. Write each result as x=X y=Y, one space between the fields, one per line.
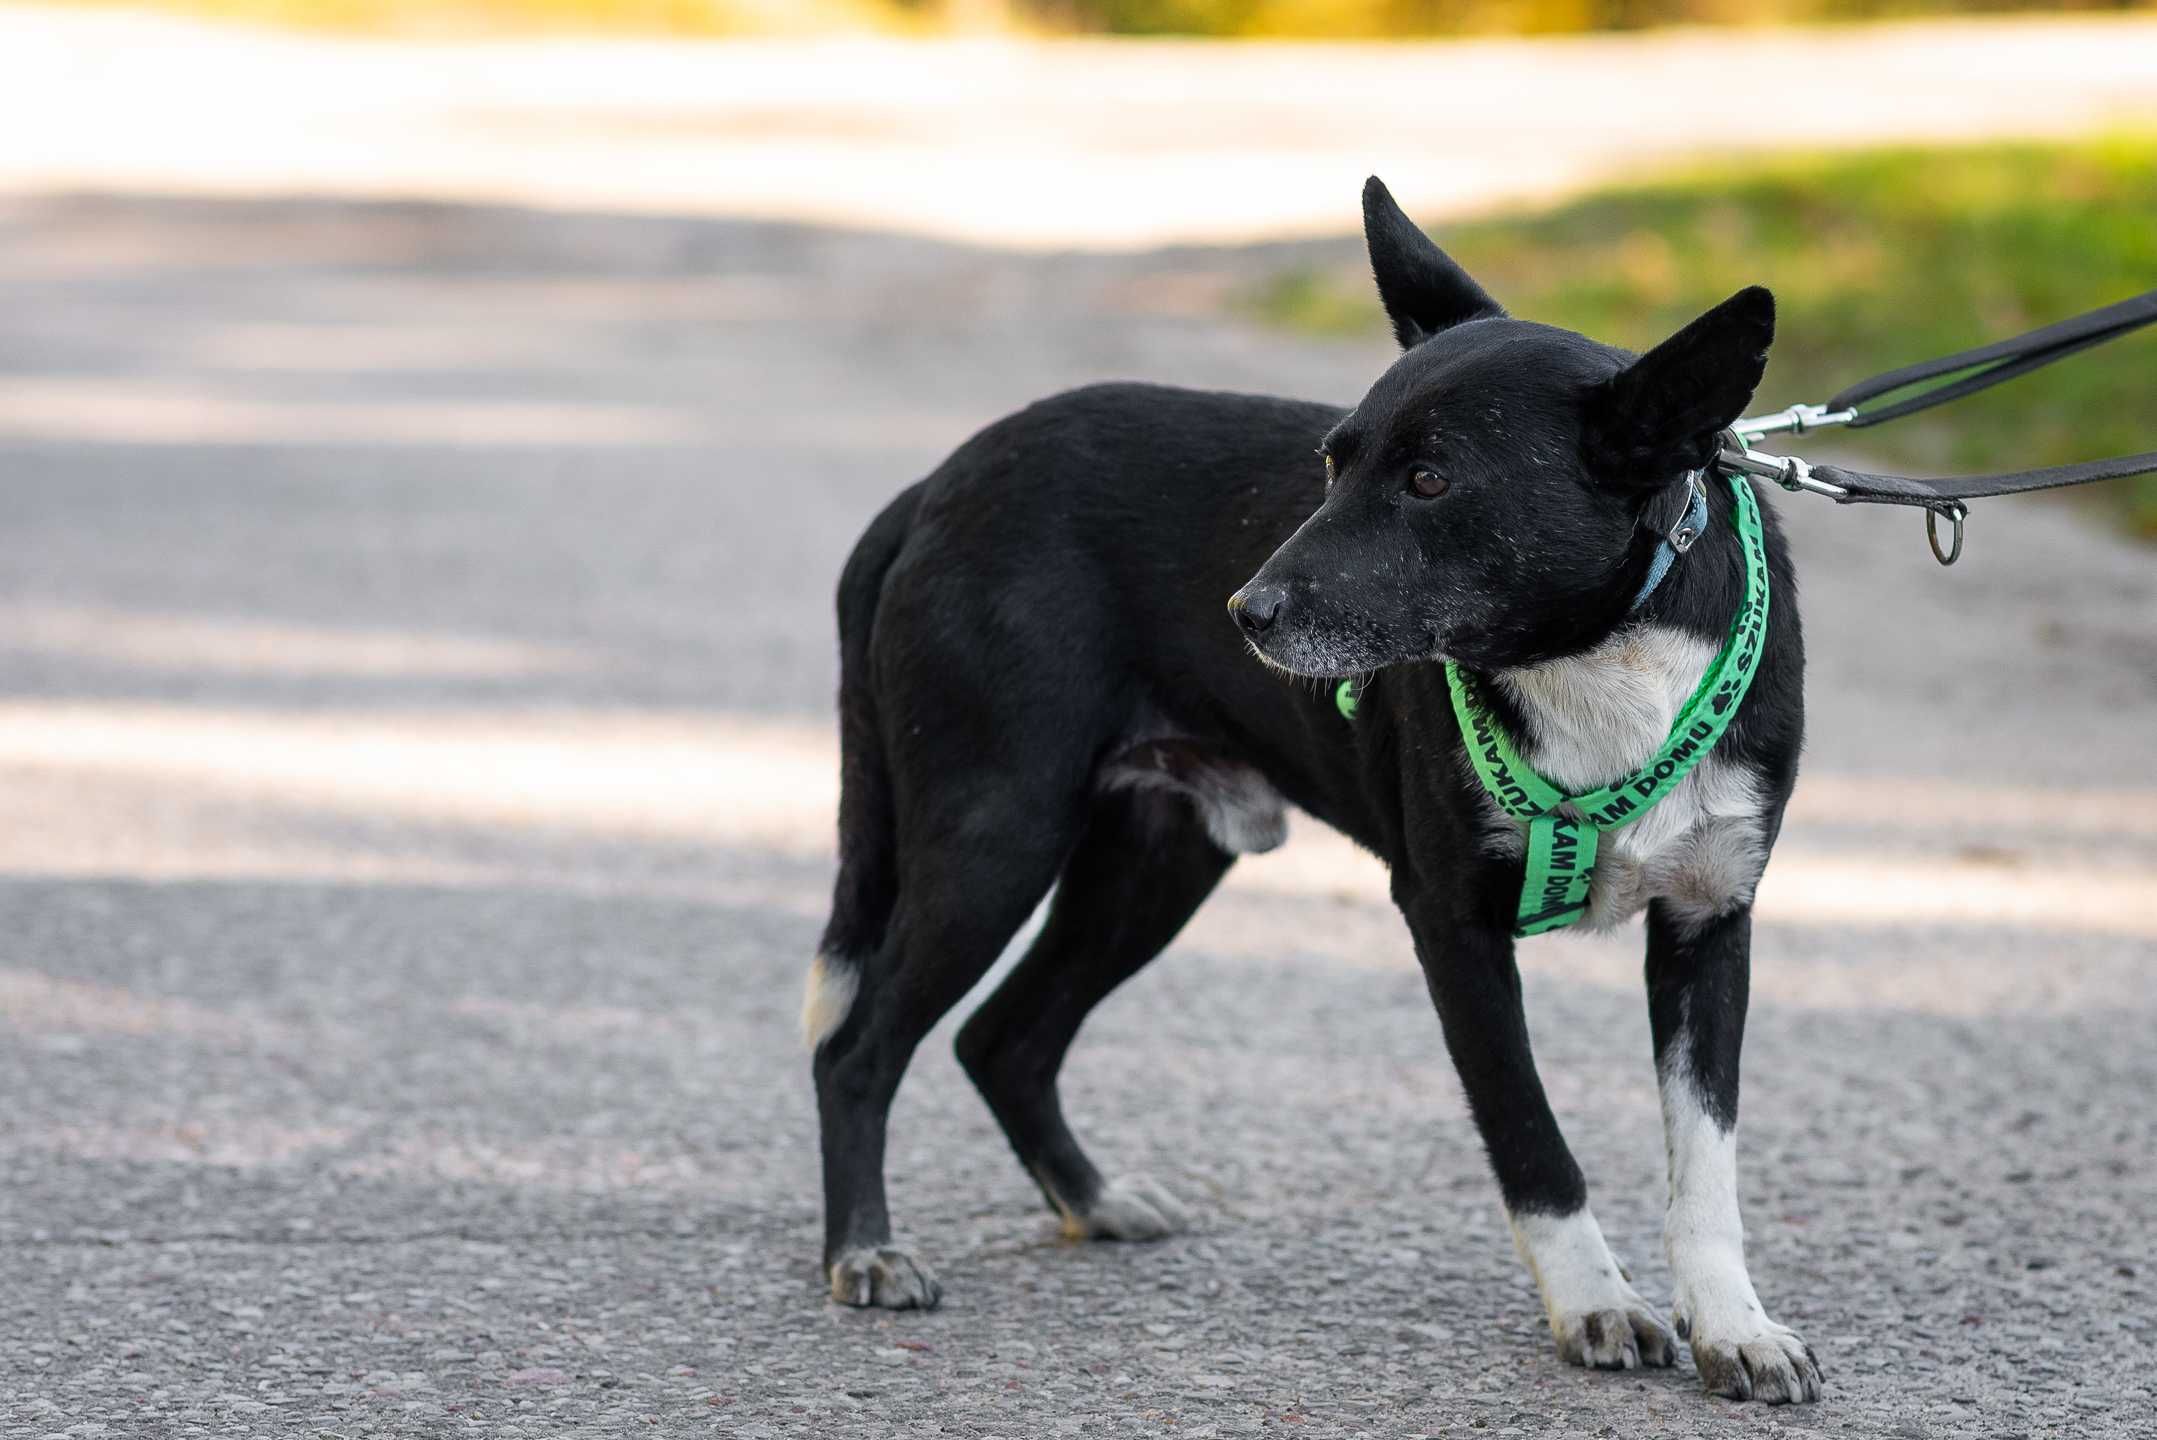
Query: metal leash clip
x=1794 y=421
x=1787 y=471
x=1978 y=369
x=1794 y=474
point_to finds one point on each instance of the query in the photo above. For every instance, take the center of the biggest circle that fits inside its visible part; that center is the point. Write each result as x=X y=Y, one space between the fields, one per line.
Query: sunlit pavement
x=1039 y=145
x=415 y=779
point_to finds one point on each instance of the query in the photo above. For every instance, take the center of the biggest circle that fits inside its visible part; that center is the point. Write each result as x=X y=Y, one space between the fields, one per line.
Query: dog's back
x=1048 y=514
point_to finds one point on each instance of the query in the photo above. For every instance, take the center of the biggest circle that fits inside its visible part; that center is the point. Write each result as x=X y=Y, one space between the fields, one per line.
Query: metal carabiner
x=1954 y=510
x=1788 y=471
x=1794 y=421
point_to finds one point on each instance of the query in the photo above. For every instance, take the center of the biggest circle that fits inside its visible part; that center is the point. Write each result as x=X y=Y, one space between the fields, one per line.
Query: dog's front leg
x=1697 y=984
x=1595 y=1314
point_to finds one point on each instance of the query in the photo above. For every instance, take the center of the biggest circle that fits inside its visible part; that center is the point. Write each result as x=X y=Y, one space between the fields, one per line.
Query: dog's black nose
x=1256 y=606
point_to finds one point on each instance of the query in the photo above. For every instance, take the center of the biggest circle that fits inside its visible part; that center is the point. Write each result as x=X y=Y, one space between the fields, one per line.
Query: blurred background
x=429 y=435
x=1907 y=186
x=1221 y=19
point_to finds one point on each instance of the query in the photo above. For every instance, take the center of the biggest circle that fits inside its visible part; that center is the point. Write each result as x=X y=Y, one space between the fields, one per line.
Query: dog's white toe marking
x=827 y=998
x=1772 y=1364
x=1737 y=1349
x=1597 y=1318
x=884 y=1276
x=1133 y=1208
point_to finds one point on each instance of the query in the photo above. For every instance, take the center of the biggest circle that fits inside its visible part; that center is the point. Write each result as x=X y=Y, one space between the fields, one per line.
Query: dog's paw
x=1596 y=1316
x=1761 y=1361
x=1133 y=1208
x=884 y=1276
x=1626 y=1336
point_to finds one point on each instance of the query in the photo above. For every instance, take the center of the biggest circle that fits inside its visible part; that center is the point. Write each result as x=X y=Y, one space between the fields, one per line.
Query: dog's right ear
x=1666 y=411
x=1424 y=292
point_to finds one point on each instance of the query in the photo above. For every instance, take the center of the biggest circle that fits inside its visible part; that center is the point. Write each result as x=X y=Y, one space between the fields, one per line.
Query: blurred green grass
x=1877 y=259
x=1377 y=19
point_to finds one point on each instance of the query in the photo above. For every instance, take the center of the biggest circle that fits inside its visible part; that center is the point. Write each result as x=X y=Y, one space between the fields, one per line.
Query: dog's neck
x=1589 y=718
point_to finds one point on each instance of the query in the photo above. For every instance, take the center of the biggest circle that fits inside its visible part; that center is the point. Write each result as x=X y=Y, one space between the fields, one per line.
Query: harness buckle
x=1694 y=520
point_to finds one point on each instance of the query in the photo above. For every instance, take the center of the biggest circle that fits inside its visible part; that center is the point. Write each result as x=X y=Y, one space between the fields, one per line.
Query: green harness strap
x=1563 y=830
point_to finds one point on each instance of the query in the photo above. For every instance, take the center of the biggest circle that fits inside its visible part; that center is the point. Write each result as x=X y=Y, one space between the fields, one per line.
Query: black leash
x=1991 y=364
x=1986 y=366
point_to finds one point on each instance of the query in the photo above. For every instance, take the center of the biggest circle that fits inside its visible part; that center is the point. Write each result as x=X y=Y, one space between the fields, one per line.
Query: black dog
x=1039 y=689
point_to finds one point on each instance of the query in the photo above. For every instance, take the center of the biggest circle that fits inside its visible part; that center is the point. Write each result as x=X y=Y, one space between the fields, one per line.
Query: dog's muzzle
x=1256 y=606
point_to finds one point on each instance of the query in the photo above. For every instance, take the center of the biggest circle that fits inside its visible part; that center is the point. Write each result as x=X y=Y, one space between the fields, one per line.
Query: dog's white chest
x=1592 y=719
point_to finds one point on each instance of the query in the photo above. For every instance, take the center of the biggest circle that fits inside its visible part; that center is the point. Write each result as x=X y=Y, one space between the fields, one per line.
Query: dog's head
x=1485 y=500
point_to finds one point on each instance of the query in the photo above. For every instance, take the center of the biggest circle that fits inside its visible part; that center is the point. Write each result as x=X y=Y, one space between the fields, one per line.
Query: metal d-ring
x=1954 y=510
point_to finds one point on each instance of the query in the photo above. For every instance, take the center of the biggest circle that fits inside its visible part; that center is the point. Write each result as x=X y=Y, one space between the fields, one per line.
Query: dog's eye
x=1328 y=458
x=1428 y=483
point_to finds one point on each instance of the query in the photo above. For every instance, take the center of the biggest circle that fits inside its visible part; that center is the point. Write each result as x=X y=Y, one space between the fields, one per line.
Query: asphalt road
x=414 y=825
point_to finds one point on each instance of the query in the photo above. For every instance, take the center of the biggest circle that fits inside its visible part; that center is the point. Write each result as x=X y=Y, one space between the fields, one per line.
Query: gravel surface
x=415 y=771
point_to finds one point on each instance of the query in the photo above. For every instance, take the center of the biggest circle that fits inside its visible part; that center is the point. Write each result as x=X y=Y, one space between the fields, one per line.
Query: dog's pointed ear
x=1424 y=292
x=1663 y=413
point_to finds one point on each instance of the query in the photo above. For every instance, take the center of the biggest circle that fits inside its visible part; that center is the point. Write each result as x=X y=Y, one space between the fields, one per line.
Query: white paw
x=1754 y=1359
x=1596 y=1316
x=1133 y=1208
x=1625 y=1336
x=884 y=1276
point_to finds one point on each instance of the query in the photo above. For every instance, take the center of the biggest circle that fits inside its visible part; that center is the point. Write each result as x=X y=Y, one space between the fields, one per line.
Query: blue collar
x=1679 y=540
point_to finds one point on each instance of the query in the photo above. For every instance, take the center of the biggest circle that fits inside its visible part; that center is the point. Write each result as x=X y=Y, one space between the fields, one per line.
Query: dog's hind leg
x=1144 y=864
x=971 y=870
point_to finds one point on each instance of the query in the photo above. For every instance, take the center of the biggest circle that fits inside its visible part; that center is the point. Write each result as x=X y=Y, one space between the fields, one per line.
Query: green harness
x=1563 y=830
